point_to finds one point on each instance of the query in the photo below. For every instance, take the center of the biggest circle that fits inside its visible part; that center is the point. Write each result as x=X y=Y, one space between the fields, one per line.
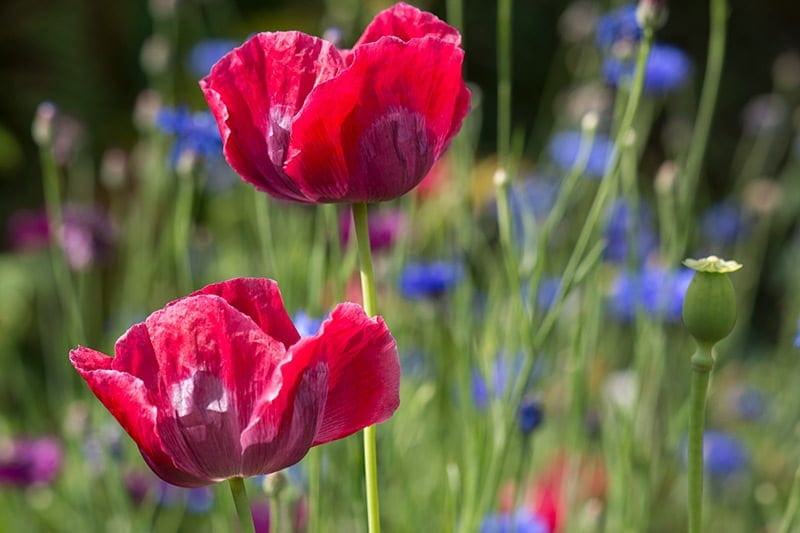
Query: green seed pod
x=709 y=307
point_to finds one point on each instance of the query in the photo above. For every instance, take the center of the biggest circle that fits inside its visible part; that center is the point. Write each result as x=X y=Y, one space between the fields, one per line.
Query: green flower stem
x=687 y=184
x=607 y=186
x=793 y=505
x=455 y=15
x=576 y=262
x=264 y=230
x=242 y=504
x=368 y=295
x=314 y=492
x=182 y=225
x=65 y=285
x=504 y=56
x=702 y=364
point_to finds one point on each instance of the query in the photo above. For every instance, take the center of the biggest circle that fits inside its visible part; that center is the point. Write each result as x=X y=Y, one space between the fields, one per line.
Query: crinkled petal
x=363 y=371
x=215 y=364
x=267 y=450
x=373 y=132
x=127 y=398
x=261 y=300
x=407 y=22
x=254 y=92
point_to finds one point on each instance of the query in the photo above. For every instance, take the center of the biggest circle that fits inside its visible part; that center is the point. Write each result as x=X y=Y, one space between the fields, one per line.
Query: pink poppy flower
x=219 y=384
x=305 y=121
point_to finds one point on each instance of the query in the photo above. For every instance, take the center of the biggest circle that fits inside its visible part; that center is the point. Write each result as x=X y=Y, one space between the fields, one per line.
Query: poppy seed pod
x=709 y=307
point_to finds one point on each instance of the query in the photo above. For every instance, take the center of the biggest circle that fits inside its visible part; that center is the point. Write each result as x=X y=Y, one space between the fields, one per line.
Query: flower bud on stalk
x=709 y=313
x=652 y=14
x=709 y=307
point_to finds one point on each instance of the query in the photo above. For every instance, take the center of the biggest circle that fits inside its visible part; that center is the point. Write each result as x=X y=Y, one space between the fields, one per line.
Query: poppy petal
x=127 y=398
x=372 y=133
x=254 y=92
x=279 y=436
x=363 y=371
x=261 y=300
x=407 y=22
x=214 y=364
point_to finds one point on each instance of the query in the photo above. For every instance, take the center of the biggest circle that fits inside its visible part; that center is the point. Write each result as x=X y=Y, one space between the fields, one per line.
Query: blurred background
x=110 y=66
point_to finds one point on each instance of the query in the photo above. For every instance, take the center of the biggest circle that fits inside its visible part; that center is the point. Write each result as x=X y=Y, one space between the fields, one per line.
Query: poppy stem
x=702 y=364
x=242 y=505
x=368 y=295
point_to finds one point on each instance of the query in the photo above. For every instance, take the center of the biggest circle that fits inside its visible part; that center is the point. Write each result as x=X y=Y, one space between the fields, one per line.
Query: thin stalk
x=264 y=230
x=792 y=506
x=182 y=225
x=314 y=492
x=65 y=284
x=504 y=9
x=455 y=15
x=369 y=298
x=702 y=365
x=575 y=262
x=239 y=493
x=705 y=113
x=607 y=185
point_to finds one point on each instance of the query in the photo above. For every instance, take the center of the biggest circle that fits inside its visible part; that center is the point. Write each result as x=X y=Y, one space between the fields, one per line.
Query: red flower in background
x=219 y=384
x=304 y=121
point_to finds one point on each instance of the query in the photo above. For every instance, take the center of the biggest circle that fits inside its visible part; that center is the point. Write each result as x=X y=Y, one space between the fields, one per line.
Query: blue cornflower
x=722 y=223
x=616 y=233
x=546 y=292
x=306 y=325
x=656 y=291
x=196 y=133
x=533 y=196
x=503 y=371
x=523 y=521
x=530 y=415
x=427 y=280
x=564 y=148
x=530 y=200
x=205 y=53
x=723 y=454
x=667 y=69
x=618 y=25
x=482 y=392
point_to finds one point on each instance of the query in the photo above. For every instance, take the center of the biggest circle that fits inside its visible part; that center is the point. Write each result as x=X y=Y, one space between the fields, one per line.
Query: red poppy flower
x=219 y=384
x=304 y=121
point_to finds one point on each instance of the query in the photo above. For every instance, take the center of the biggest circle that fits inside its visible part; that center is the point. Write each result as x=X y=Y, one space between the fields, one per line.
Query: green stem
x=64 y=282
x=368 y=295
x=503 y=82
x=182 y=229
x=607 y=185
x=705 y=113
x=314 y=492
x=455 y=15
x=264 y=230
x=702 y=364
x=792 y=506
x=242 y=504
